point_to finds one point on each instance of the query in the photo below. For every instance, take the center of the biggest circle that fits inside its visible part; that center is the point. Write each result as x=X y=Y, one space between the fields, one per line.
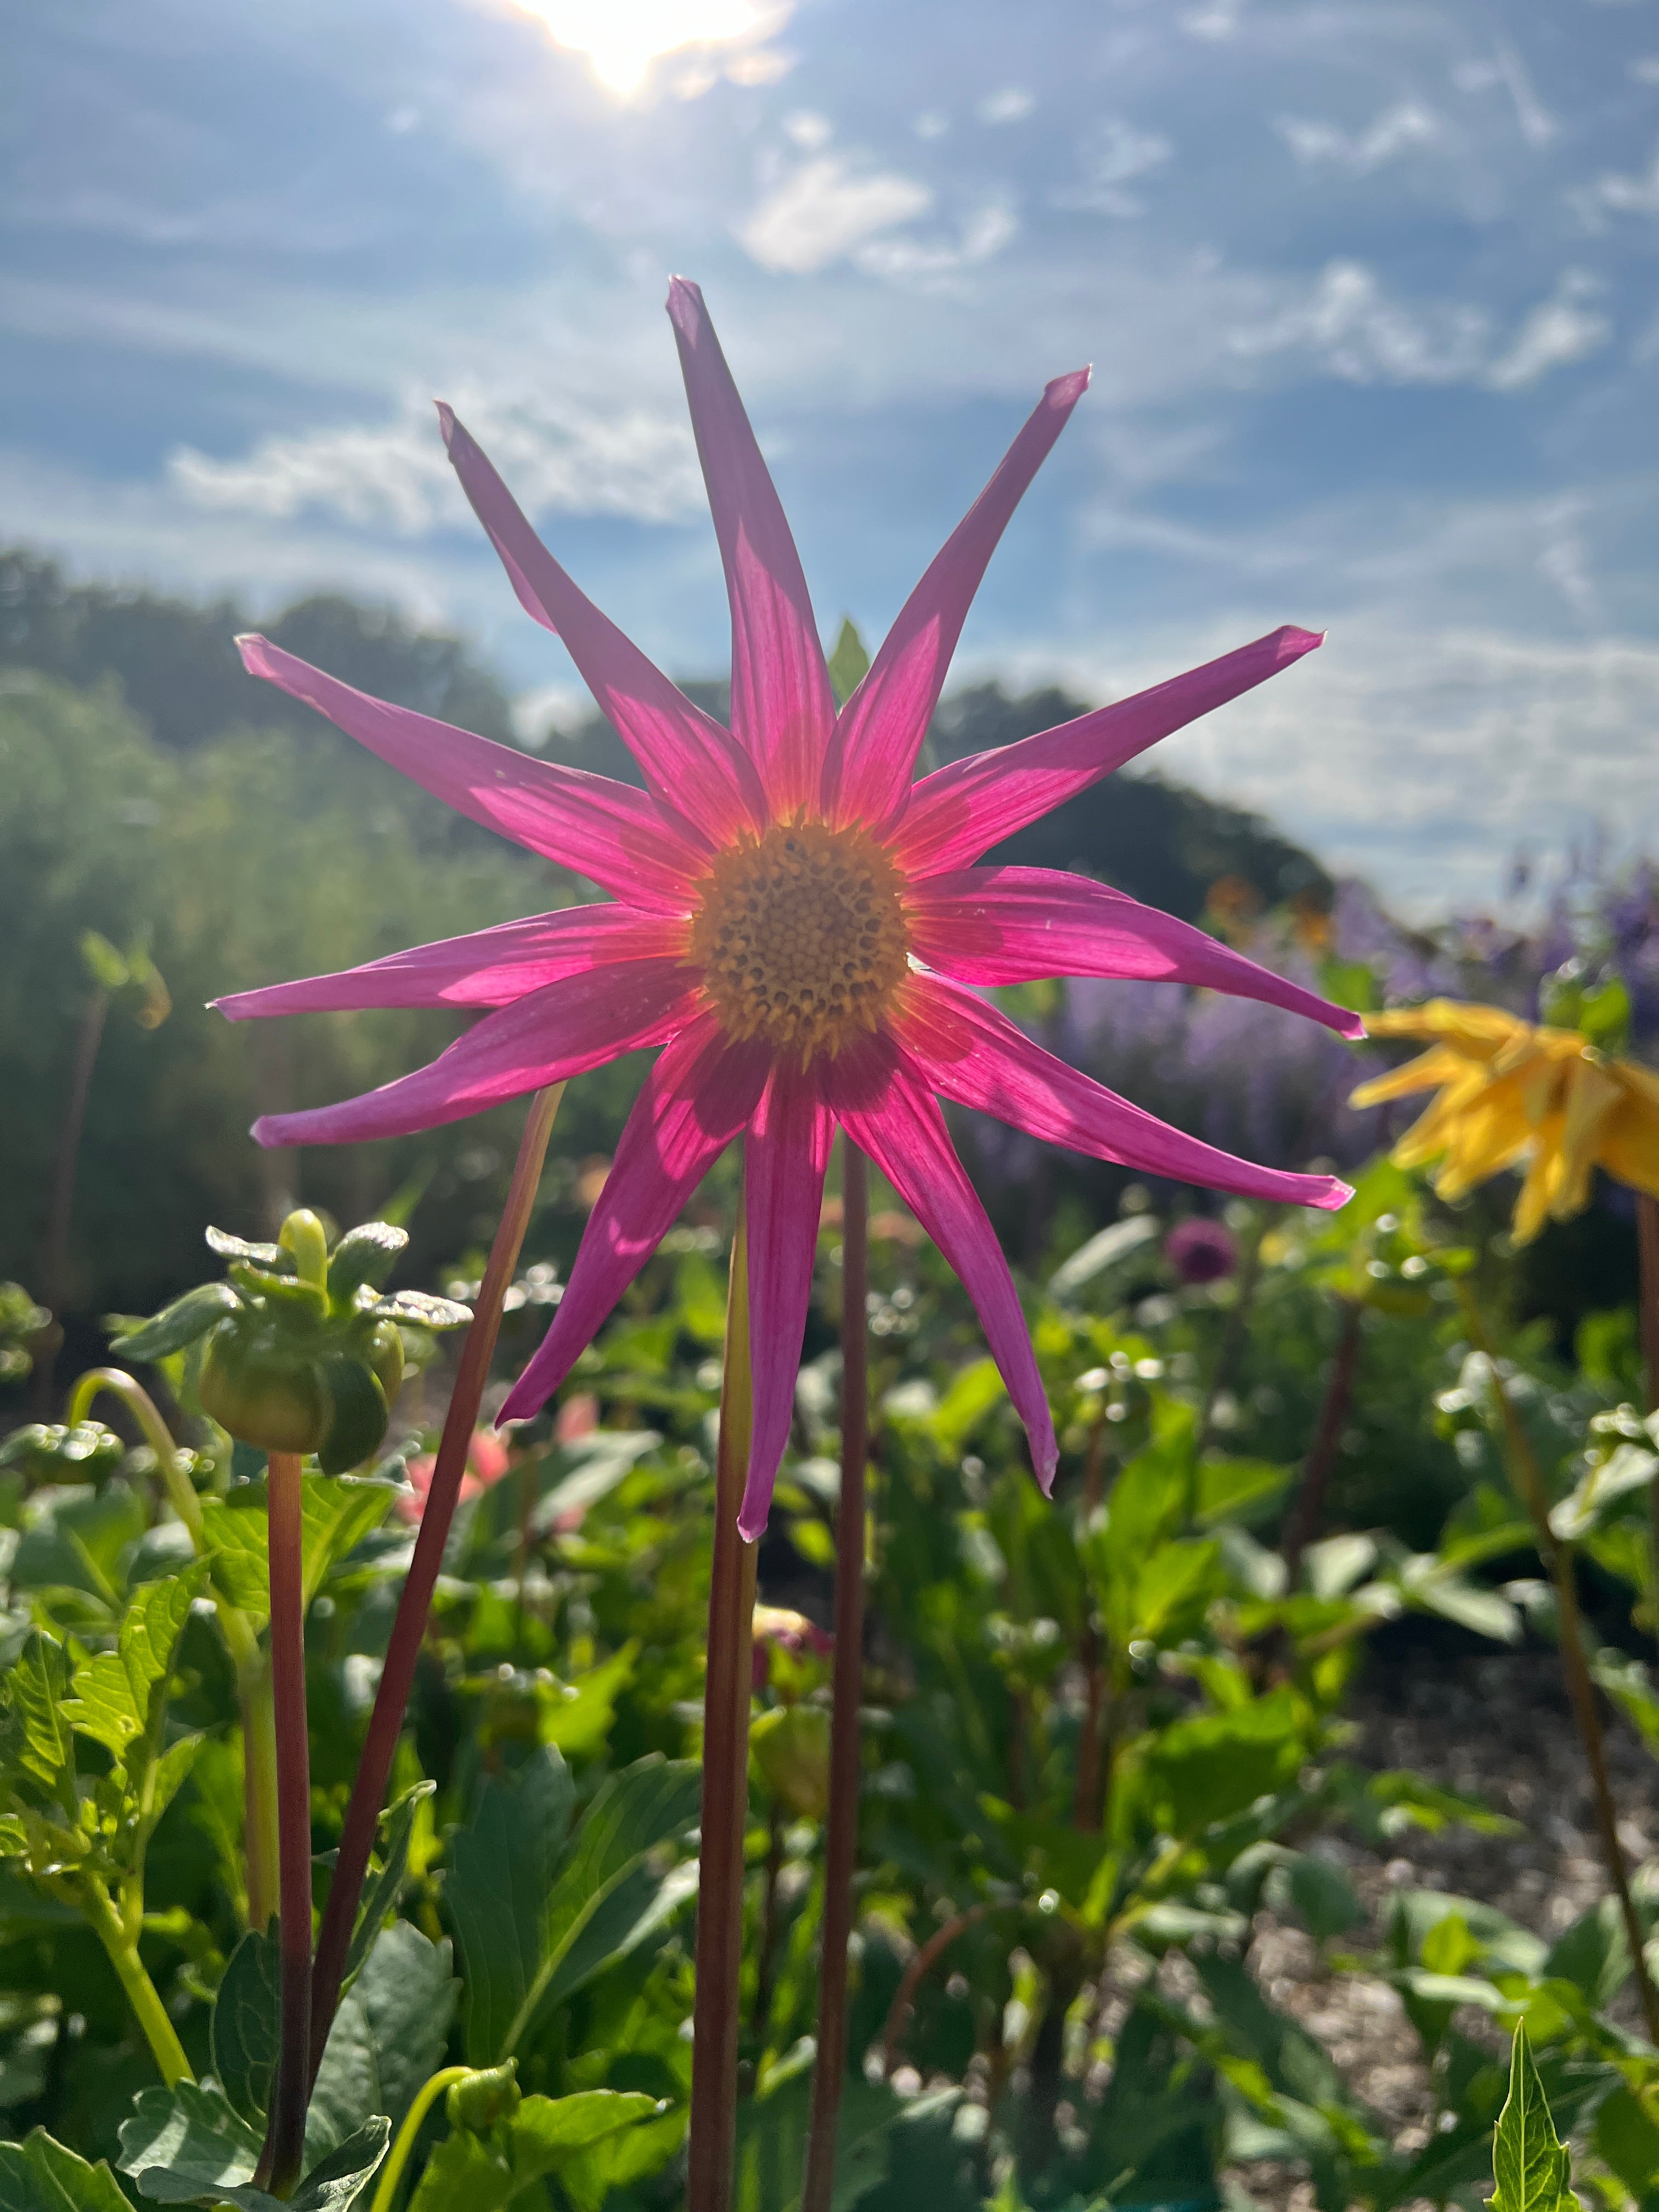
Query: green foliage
x=185 y=2145
x=540 y=1911
x=590 y=2141
x=1530 y=2163
x=40 y=2175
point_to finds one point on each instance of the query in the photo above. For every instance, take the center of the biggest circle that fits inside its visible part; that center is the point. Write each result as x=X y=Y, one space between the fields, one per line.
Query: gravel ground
x=1495 y=1726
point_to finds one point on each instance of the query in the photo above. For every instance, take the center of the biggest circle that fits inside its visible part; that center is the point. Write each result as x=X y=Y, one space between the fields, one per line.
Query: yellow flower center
x=801 y=937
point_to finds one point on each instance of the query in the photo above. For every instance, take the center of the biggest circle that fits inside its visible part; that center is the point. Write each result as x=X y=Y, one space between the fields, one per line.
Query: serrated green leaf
x=40 y=2175
x=337 y=1512
x=115 y=1692
x=1529 y=2162
x=38 y=1738
x=179 y=1324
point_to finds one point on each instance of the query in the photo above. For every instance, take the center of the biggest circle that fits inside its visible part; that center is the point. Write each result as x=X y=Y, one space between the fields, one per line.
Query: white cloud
x=1114 y=153
x=553 y=453
x=1645 y=68
x=1508 y=71
x=807 y=130
x=931 y=124
x=1349 y=324
x=1631 y=195
x=1557 y=330
x=1419 y=757
x=901 y=259
x=1011 y=105
x=1396 y=130
x=823 y=211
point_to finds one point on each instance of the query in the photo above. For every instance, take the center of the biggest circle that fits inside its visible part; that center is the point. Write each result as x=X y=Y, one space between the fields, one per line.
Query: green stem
x=121 y=1944
x=1527 y=1478
x=841 y=1834
x=392 y=2172
x=280 y=2161
x=253 y=1672
x=726 y=1692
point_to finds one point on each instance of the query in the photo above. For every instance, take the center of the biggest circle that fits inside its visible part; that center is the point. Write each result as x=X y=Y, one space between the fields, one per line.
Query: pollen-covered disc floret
x=801 y=937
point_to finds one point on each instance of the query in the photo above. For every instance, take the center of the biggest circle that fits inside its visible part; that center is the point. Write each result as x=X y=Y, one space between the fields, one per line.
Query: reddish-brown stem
x=279 y=2163
x=1308 y=1511
x=409 y=1626
x=905 y=1997
x=726 y=1691
x=841 y=1835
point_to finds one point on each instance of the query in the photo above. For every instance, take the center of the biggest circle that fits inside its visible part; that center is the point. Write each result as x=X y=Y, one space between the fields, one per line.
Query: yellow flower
x=1510 y=1091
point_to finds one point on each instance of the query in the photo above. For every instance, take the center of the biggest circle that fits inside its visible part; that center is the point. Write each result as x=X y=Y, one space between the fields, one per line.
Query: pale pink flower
x=486 y=1463
x=795 y=923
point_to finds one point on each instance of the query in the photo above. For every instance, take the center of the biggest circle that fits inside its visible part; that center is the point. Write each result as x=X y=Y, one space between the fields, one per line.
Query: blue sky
x=1368 y=289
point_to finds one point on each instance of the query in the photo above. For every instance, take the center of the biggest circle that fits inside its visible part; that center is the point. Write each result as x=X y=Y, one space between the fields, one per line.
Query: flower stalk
x=725 y=1816
x=409 y=1626
x=115 y=1930
x=842 y=1832
x=241 y=1640
x=280 y=2161
x=1527 y=1478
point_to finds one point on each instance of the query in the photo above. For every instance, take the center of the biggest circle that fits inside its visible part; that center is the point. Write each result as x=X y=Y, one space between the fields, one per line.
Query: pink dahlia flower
x=795 y=923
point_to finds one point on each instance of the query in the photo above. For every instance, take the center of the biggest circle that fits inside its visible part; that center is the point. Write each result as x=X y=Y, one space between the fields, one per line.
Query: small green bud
x=304 y=1235
x=485 y=2098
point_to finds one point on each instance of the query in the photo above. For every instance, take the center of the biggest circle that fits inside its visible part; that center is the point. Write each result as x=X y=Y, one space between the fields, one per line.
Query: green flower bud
x=485 y=2098
x=299 y=1353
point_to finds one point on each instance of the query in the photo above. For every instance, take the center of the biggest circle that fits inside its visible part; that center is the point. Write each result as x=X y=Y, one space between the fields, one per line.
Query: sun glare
x=622 y=39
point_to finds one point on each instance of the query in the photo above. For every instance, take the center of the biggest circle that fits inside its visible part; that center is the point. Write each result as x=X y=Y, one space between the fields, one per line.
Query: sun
x=623 y=39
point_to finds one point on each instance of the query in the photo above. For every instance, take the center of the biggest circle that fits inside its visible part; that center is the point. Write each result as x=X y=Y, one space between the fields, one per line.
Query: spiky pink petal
x=782 y=708
x=697 y=1097
x=962 y=811
x=867 y=772
x=973 y=1054
x=883 y=1100
x=608 y=831
x=784 y=1155
x=561 y=1030
x=989 y=926
x=489 y=968
x=692 y=766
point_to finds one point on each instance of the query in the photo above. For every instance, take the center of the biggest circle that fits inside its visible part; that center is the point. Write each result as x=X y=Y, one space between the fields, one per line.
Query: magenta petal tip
x=1065 y=390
